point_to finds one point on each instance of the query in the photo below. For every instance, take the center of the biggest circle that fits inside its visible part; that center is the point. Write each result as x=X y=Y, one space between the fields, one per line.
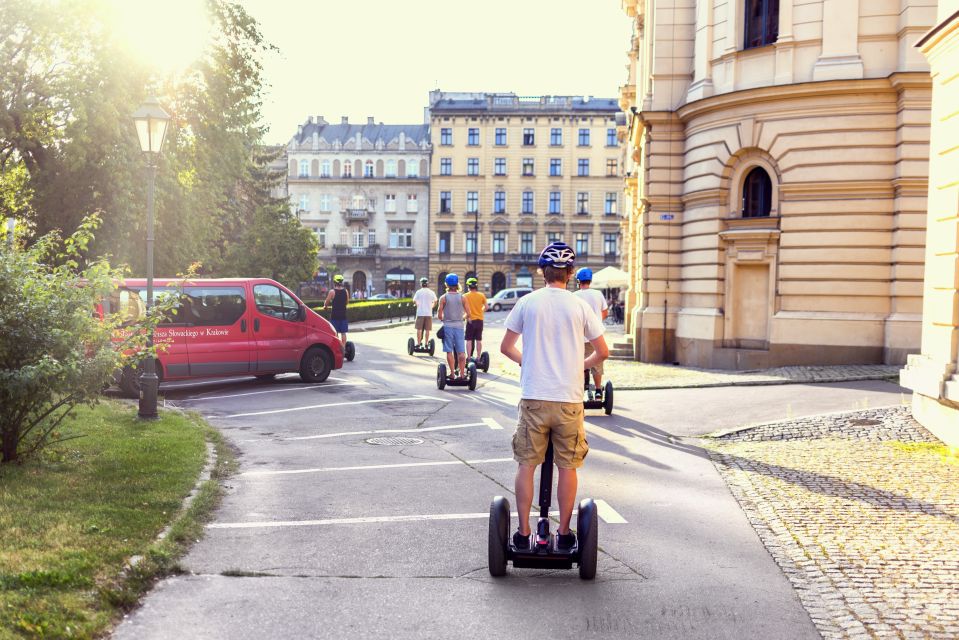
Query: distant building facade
x=364 y=191
x=511 y=173
x=776 y=180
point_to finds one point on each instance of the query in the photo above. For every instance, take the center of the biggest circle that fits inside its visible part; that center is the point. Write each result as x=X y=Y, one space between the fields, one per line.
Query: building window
x=472 y=166
x=757 y=194
x=499 y=167
x=556 y=137
x=611 y=138
x=304 y=202
x=391 y=168
x=582 y=203
x=304 y=169
x=499 y=242
x=612 y=200
x=401 y=238
x=321 y=237
x=325 y=169
x=446 y=137
x=529 y=138
x=611 y=168
x=582 y=244
x=368 y=169
x=446 y=201
x=500 y=136
x=526 y=243
x=357 y=242
x=472 y=201
x=472 y=137
x=390 y=203
x=347 y=169
x=582 y=167
x=527 y=166
x=499 y=202
x=553 y=236
x=584 y=137
x=413 y=168
x=471 y=247
x=325 y=202
x=444 y=241
x=446 y=166
x=762 y=22
x=371 y=238
x=555 y=166
x=412 y=204
x=555 y=202
x=527 y=202
x=610 y=244
x=359 y=202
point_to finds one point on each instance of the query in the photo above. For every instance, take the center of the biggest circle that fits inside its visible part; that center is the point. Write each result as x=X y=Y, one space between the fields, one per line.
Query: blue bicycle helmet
x=585 y=275
x=452 y=280
x=557 y=254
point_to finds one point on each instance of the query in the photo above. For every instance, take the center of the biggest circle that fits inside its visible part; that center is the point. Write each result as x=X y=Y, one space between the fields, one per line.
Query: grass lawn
x=70 y=520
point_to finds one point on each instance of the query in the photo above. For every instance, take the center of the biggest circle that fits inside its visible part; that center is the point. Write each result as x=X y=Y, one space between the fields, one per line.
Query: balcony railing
x=524 y=258
x=357 y=214
x=347 y=250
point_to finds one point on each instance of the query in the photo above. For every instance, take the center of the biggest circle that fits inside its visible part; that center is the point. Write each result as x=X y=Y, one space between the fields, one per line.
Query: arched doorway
x=440 y=280
x=359 y=283
x=498 y=282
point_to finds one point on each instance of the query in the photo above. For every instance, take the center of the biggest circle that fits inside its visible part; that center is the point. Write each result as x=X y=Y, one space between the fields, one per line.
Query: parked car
x=506 y=298
x=382 y=296
x=231 y=327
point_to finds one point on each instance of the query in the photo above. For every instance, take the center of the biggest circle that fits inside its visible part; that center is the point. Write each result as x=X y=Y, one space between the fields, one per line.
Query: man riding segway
x=425 y=300
x=336 y=301
x=452 y=313
x=597 y=302
x=475 y=303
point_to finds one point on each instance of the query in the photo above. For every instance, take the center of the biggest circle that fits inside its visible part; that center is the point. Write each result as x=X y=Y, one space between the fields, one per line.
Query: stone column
x=840 y=42
x=702 y=85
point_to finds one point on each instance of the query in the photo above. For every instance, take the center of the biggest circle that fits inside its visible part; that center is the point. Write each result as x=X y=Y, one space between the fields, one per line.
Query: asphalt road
x=325 y=535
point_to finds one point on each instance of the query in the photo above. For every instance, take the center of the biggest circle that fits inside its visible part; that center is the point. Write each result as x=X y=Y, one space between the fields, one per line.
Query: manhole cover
x=395 y=442
x=864 y=422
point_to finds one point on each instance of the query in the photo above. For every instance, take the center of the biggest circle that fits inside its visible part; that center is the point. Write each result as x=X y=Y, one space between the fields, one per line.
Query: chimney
x=299 y=129
x=344 y=120
x=369 y=120
x=309 y=120
x=321 y=120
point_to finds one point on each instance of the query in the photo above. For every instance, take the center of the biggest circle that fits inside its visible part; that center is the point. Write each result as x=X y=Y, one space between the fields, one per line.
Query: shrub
x=359 y=310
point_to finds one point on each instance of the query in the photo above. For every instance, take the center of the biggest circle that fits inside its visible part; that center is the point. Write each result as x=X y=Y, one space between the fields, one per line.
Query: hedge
x=358 y=310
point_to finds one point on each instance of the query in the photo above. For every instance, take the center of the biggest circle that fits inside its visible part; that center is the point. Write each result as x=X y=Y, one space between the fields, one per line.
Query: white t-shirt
x=595 y=299
x=424 y=299
x=553 y=323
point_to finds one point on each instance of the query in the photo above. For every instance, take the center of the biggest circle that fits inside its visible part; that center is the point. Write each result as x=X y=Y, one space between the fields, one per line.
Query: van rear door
x=278 y=331
x=219 y=332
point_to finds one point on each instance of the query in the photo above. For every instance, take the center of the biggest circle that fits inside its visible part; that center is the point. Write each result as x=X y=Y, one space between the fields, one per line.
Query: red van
x=231 y=327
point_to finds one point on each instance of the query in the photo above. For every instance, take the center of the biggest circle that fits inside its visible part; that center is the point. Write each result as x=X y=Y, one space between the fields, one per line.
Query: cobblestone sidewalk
x=861 y=512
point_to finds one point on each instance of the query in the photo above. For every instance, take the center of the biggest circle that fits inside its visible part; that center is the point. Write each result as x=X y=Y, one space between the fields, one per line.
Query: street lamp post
x=475 y=239
x=151 y=124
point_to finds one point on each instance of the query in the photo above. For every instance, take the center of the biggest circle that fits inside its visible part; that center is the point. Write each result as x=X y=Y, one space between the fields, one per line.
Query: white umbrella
x=610 y=278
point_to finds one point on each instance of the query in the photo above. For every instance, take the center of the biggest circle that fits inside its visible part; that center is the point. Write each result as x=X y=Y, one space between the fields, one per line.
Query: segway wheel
x=432 y=346
x=587 y=530
x=410 y=345
x=471 y=375
x=441 y=377
x=350 y=352
x=608 y=397
x=498 y=535
x=484 y=361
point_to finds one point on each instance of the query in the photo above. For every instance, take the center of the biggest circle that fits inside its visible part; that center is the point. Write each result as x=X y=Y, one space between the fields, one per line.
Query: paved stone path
x=861 y=512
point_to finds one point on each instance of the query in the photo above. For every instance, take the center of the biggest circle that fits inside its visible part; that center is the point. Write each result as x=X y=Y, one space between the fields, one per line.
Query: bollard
x=389 y=312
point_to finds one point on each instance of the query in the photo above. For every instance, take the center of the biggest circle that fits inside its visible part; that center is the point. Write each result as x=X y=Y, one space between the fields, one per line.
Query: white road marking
x=333 y=404
x=492 y=424
x=608 y=514
x=357 y=383
x=366 y=520
x=374 y=467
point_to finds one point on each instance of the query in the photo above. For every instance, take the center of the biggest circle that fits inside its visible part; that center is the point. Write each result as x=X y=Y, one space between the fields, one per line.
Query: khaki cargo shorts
x=540 y=418
x=598 y=369
x=424 y=323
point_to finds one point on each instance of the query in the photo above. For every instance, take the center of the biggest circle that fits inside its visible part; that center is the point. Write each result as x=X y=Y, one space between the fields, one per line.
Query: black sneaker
x=520 y=541
x=566 y=541
x=599 y=394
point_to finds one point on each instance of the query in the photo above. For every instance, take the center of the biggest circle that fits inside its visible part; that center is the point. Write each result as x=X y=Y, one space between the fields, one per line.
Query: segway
x=444 y=379
x=412 y=347
x=482 y=362
x=544 y=552
x=349 y=352
x=590 y=401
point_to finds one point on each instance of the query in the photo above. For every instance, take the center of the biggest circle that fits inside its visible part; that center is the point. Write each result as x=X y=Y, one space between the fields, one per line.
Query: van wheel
x=315 y=366
x=497 y=307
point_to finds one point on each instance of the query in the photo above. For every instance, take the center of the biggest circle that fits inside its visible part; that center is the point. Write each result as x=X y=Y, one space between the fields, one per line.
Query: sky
x=381 y=58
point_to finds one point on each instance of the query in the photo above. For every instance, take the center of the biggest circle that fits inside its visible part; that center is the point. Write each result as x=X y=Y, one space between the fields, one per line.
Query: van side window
x=272 y=301
x=213 y=306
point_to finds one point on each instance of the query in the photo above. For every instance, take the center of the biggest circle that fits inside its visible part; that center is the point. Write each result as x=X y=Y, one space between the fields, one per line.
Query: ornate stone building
x=364 y=190
x=776 y=180
x=511 y=173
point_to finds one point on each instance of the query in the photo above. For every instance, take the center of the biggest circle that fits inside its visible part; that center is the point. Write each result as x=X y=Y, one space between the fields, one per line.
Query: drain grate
x=864 y=422
x=395 y=441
